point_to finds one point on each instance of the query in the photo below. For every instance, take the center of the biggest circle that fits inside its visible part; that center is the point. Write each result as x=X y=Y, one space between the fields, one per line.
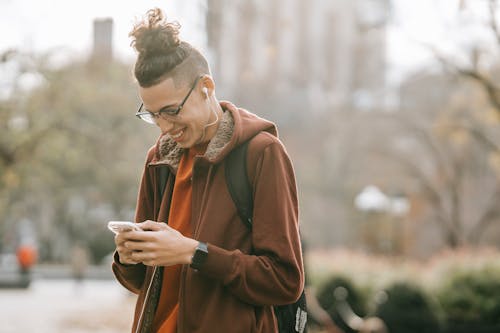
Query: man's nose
x=164 y=124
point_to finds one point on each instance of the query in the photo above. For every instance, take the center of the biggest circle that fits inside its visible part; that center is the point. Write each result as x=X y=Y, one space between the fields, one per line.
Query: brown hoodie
x=246 y=271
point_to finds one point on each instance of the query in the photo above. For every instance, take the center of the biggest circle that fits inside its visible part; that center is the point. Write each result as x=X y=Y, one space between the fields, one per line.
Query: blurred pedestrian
x=26 y=255
x=79 y=262
x=205 y=270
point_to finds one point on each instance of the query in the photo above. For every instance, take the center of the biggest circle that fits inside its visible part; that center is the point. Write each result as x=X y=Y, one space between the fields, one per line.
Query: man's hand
x=157 y=245
x=125 y=254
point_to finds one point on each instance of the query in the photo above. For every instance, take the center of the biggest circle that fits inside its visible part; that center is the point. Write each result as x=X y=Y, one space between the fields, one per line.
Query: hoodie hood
x=235 y=127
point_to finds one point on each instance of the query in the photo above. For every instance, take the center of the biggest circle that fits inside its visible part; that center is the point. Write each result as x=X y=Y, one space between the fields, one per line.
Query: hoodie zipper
x=139 y=321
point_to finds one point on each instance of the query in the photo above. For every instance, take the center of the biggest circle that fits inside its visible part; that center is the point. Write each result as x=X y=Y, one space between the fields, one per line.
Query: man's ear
x=208 y=85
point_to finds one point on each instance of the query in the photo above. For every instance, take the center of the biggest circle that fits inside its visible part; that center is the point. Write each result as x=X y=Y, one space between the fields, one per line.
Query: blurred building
x=103 y=40
x=299 y=55
x=305 y=65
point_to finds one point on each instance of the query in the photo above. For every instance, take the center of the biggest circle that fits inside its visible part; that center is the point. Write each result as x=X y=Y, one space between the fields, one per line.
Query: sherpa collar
x=170 y=153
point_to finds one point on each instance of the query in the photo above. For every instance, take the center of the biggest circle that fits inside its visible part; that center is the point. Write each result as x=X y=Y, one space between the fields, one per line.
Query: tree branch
x=487 y=218
x=493 y=21
x=426 y=140
x=481 y=137
x=430 y=193
x=491 y=89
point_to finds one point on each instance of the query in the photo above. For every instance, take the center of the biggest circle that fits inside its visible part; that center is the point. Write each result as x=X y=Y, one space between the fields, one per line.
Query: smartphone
x=120 y=226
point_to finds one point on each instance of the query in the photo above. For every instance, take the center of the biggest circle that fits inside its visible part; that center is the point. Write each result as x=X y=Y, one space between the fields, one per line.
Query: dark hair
x=161 y=54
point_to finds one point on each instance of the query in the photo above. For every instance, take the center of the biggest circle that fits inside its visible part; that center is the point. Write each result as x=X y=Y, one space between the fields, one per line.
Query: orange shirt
x=179 y=218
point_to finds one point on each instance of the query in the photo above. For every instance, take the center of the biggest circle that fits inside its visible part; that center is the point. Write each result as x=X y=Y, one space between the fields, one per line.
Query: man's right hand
x=124 y=253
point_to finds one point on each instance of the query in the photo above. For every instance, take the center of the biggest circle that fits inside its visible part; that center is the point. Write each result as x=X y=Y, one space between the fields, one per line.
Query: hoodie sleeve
x=274 y=274
x=132 y=276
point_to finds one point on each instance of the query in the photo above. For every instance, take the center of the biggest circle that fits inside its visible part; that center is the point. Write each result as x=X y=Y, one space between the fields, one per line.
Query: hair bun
x=154 y=35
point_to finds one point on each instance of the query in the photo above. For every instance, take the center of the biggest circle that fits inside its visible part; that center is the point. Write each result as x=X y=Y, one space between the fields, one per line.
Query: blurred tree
x=450 y=172
x=482 y=68
x=71 y=152
x=446 y=140
x=465 y=142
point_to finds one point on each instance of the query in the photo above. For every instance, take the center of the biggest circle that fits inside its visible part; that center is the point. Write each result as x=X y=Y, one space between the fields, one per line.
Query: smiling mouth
x=177 y=135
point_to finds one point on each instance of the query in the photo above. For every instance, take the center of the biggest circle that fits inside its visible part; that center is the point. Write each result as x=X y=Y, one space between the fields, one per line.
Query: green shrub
x=472 y=300
x=408 y=310
x=329 y=303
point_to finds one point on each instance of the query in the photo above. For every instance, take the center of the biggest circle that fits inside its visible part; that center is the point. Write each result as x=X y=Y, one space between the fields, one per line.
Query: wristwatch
x=200 y=255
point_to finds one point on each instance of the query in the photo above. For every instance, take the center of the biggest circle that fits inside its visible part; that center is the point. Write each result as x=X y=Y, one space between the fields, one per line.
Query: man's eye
x=169 y=111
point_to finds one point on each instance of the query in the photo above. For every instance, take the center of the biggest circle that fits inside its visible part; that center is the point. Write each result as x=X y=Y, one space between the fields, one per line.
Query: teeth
x=176 y=136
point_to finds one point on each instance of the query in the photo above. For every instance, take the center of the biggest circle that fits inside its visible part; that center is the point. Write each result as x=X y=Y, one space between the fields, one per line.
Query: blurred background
x=389 y=109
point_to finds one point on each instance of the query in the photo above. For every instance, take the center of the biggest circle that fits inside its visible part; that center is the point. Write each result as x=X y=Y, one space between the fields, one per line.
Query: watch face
x=200 y=255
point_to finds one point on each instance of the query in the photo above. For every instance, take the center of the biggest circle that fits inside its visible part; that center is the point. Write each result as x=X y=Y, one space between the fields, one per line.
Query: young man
x=195 y=266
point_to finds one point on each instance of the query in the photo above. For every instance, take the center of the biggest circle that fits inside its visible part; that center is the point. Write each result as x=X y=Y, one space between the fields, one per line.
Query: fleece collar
x=170 y=153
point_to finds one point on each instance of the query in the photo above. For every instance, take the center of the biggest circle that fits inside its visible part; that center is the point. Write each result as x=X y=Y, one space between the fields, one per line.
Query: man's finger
x=125 y=259
x=143 y=256
x=153 y=226
x=140 y=236
x=137 y=246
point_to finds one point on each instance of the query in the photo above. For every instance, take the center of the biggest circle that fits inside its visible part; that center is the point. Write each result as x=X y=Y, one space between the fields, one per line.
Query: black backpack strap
x=238 y=184
x=292 y=318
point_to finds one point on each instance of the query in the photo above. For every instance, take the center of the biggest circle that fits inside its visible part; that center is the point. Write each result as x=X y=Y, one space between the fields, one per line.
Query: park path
x=62 y=306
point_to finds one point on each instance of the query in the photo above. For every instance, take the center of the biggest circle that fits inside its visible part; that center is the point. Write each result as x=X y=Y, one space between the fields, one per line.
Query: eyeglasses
x=167 y=112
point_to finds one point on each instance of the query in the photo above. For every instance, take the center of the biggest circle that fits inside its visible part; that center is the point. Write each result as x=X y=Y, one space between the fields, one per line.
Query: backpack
x=291 y=318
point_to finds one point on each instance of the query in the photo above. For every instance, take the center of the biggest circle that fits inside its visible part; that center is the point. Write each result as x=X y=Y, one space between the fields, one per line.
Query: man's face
x=187 y=128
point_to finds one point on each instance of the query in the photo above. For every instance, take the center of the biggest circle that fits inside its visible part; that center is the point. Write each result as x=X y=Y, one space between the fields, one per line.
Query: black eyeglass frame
x=168 y=111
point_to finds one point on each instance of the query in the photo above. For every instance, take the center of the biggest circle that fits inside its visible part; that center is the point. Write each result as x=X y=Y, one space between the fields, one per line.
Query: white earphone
x=205 y=91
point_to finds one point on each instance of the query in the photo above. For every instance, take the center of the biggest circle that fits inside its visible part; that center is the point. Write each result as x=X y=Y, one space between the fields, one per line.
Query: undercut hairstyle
x=162 y=55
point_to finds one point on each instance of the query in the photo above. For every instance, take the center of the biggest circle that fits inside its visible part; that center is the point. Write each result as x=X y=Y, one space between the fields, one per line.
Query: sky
x=449 y=26
x=41 y=25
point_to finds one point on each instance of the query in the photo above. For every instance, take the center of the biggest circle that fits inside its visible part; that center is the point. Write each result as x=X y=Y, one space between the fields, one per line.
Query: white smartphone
x=120 y=226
